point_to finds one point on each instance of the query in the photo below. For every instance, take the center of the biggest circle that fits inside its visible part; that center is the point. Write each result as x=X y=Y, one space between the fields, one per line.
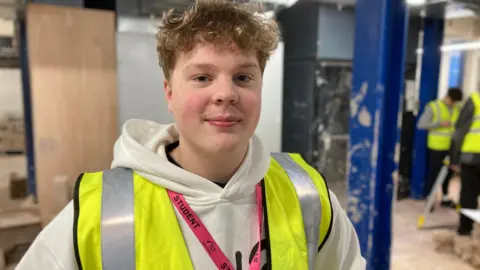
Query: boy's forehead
x=203 y=52
x=223 y=48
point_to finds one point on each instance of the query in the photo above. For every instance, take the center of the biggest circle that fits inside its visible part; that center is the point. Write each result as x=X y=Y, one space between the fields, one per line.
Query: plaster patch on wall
x=366 y=144
x=396 y=157
x=358 y=99
x=364 y=117
x=373 y=176
x=355 y=206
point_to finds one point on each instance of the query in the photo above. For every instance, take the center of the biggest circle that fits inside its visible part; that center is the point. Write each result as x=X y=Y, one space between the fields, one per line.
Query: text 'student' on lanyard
x=206 y=239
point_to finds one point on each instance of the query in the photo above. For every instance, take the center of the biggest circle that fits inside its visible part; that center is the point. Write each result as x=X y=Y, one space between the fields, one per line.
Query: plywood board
x=72 y=62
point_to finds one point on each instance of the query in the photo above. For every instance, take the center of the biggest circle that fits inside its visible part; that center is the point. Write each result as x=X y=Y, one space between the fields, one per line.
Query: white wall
x=444 y=74
x=470 y=72
x=270 y=126
x=11 y=102
x=140 y=87
x=10 y=91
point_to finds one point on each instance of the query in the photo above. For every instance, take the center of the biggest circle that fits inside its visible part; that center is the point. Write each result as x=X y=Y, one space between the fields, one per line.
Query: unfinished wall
x=10 y=103
x=471 y=70
x=466 y=28
x=6 y=27
x=10 y=91
x=72 y=60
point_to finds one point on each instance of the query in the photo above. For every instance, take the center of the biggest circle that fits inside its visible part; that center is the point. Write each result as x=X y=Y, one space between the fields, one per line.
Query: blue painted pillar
x=378 y=83
x=432 y=39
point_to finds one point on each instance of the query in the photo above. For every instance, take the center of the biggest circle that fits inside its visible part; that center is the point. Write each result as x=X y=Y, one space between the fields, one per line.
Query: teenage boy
x=202 y=193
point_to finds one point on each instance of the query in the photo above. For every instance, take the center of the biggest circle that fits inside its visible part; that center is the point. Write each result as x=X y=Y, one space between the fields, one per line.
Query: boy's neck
x=218 y=168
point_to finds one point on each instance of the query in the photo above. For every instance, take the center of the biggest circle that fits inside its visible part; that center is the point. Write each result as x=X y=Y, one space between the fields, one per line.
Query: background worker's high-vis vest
x=118 y=227
x=439 y=139
x=471 y=142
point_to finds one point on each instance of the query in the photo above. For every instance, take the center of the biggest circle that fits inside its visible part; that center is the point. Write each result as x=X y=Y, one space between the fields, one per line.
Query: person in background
x=439 y=117
x=202 y=193
x=465 y=158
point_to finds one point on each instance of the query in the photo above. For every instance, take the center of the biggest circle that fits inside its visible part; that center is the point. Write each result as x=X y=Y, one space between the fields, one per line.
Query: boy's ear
x=168 y=94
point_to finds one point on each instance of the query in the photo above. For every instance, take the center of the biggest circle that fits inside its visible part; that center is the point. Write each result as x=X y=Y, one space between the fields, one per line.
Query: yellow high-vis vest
x=471 y=142
x=440 y=139
x=123 y=221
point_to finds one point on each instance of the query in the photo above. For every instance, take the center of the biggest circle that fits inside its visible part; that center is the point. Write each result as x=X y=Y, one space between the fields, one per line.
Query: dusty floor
x=412 y=249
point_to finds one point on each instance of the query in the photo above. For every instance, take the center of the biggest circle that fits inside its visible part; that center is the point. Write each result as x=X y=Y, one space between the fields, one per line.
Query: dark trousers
x=435 y=164
x=468 y=195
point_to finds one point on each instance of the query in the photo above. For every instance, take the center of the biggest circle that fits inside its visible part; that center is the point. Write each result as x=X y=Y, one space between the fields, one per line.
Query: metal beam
x=378 y=82
x=432 y=39
x=27 y=107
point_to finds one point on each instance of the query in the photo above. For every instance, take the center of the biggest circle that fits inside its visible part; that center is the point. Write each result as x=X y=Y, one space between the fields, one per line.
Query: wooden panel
x=74 y=94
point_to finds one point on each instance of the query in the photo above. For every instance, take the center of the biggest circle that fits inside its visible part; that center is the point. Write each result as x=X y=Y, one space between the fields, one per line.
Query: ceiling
x=157 y=7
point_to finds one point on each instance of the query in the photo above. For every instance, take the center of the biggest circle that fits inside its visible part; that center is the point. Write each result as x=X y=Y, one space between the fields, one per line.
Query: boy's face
x=214 y=94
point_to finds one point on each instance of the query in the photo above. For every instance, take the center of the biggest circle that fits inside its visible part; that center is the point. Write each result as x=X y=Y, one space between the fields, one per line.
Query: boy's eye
x=201 y=78
x=243 y=78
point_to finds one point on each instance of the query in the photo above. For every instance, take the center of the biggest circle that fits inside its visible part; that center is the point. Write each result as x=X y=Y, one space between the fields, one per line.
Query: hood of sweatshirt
x=141 y=147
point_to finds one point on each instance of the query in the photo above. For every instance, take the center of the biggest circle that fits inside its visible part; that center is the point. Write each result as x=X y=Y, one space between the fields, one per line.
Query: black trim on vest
x=267 y=231
x=331 y=215
x=76 y=214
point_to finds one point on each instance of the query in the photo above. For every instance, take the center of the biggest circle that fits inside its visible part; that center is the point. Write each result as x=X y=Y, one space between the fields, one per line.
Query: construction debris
x=20 y=219
x=467 y=248
x=12 y=133
x=463 y=248
x=443 y=240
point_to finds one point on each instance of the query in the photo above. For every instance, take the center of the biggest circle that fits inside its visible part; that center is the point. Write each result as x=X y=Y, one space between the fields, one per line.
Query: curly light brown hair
x=218 y=22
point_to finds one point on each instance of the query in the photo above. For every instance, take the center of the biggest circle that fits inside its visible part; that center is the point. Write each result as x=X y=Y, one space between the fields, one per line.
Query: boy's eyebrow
x=207 y=66
x=200 y=66
x=249 y=65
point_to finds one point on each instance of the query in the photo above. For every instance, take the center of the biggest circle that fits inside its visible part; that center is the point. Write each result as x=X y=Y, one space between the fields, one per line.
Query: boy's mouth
x=223 y=121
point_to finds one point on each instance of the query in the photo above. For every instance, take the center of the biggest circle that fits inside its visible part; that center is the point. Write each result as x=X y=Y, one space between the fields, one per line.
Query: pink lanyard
x=206 y=239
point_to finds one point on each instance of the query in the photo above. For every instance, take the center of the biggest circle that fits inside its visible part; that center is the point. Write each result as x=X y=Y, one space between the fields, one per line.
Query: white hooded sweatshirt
x=229 y=213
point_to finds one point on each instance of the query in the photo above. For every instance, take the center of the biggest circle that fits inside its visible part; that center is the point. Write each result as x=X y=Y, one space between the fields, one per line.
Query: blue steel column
x=432 y=39
x=378 y=82
x=27 y=106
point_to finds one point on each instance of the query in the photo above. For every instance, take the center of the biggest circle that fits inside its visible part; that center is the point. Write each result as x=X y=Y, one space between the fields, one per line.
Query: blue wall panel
x=455 y=74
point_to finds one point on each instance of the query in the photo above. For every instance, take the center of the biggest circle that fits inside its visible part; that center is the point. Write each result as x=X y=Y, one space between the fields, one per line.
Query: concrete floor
x=412 y=249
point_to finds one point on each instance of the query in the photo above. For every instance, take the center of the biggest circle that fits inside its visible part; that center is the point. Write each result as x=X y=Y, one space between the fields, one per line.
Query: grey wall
x=336 y=32
x=336 y=29
x=140 y=87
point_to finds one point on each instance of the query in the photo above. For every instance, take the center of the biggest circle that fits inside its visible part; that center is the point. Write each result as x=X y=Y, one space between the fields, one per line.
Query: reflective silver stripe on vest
x=441 y=133
x=118 y=227
x=309 y=202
